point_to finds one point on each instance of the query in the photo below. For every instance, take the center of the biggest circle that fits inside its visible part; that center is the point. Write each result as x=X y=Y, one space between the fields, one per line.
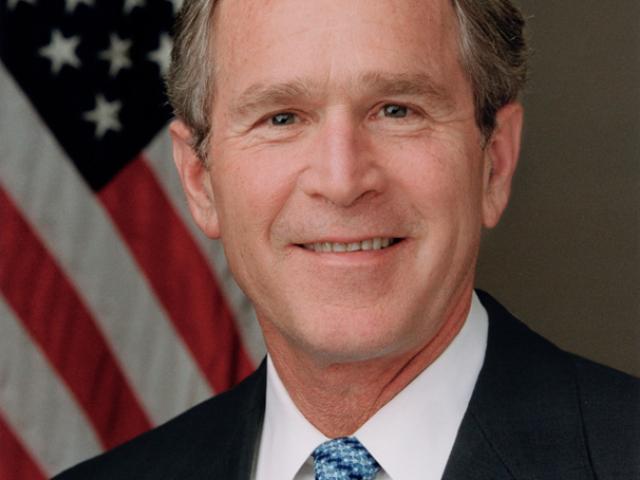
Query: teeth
x=353 y=247
x=339 y=247
x=377 y=243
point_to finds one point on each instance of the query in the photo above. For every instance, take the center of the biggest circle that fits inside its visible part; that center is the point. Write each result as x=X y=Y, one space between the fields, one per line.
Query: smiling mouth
x=377 y=243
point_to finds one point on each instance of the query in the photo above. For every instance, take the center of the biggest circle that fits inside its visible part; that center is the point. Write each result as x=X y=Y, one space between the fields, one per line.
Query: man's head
x=490 y=39
x=349 y=168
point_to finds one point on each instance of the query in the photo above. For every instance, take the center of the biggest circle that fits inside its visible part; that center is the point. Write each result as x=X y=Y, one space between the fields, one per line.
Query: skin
x=338 y=122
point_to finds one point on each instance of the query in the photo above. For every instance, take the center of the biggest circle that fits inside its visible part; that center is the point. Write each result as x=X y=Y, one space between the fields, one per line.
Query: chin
x=360 y=340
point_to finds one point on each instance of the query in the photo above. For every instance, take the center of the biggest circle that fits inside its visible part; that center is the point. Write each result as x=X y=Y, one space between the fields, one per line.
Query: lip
x=397 y=244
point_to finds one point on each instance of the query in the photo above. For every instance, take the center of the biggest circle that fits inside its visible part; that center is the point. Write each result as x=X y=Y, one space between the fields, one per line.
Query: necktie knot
x=344 y=458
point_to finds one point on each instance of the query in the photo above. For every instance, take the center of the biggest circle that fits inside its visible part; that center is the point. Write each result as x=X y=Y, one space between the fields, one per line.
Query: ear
x=500 y=160
x=196 y=182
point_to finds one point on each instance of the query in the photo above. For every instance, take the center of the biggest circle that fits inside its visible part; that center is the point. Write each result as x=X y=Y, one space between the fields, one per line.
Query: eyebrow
x=417 y=84
x=259 y=95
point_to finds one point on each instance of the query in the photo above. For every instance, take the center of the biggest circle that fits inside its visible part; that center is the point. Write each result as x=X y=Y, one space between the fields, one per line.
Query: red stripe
x=178 y=273
x=57 y=319
x=15 y=461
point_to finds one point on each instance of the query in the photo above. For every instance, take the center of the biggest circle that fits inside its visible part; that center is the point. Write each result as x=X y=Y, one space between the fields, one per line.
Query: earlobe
x=501 y=159
x=194 y=175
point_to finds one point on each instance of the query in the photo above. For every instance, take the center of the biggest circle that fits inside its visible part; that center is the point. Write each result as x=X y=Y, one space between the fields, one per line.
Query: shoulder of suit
x=205 y=431
x=610 y=403
x=553 y=394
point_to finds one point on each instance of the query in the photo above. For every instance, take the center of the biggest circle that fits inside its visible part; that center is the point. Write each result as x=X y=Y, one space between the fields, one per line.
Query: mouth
x=376 y=243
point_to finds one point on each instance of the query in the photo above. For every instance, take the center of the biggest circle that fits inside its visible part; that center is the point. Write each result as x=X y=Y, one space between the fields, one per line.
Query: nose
x=342 y=166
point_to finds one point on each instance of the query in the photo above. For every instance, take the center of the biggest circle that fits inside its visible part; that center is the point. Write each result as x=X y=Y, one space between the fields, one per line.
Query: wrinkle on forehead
x=242 y=18
x=254 y=38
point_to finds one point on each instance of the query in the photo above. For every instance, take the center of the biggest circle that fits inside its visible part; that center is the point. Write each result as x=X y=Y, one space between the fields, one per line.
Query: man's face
x=348 y=179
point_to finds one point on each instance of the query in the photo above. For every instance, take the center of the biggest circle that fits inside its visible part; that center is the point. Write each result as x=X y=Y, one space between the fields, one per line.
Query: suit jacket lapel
x=523 y=420
x=242 y=447
x=226 y=445
x=473 y=457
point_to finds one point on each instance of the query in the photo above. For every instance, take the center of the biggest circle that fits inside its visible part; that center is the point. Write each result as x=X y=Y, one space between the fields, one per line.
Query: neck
x=338 y=398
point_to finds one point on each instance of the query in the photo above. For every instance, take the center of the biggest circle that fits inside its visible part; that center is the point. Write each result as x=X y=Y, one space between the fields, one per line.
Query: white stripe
x=160 y=160
x=76 y=229
x=37 y=404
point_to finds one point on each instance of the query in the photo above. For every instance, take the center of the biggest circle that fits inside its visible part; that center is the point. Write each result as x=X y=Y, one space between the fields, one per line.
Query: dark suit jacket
x=536 y=413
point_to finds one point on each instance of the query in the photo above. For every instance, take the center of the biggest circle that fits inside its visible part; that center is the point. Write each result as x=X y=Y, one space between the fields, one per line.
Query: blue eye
x=281 y=119
x=395 y=111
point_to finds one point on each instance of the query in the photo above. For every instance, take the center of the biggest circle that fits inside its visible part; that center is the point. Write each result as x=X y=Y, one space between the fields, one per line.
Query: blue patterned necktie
x=344 y=459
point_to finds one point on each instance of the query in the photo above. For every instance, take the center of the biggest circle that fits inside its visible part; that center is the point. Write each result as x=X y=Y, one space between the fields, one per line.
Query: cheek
x=250 y=188
x=442 y=178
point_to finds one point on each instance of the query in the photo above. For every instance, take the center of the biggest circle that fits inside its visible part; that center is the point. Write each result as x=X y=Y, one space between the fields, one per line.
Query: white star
x=11 y=4
x=105 y=116
x=61 y=51
x=70 y=5
x=129 y=5
x=162 y=55
x=177 y=4
x=117 y=54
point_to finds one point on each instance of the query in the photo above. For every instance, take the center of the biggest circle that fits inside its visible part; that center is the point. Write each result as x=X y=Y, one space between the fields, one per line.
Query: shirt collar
x=287 y=437
x=411 y=436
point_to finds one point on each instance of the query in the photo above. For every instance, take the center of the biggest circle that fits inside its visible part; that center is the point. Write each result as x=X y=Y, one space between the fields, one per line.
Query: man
x=349 y=154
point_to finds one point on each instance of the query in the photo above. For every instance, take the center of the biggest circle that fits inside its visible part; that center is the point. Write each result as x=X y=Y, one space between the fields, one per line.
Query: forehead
x=262 y=41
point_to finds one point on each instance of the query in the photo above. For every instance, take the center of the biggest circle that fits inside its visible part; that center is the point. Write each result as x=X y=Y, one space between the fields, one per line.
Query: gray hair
x=493 y=53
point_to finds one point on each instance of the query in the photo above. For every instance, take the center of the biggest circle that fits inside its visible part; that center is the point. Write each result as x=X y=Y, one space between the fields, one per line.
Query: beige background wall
x=566 y=257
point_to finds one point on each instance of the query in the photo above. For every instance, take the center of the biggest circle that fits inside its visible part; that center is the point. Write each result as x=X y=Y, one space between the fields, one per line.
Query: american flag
x=115 y=312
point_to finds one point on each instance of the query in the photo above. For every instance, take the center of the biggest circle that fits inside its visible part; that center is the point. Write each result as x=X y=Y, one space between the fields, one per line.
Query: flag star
x=105 y=116
x=177 y=4
x=117 y=54
x=162 y=55
x=11 y=4
x=129 y=5
x=61 y=51
x=71 y=5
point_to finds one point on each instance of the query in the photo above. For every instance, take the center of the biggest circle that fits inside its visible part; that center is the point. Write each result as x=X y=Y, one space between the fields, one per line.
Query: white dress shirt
x=411 y=437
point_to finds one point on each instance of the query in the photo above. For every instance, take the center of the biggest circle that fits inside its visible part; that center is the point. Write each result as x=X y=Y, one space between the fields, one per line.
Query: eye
x=394 y=111
x=284 y=118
